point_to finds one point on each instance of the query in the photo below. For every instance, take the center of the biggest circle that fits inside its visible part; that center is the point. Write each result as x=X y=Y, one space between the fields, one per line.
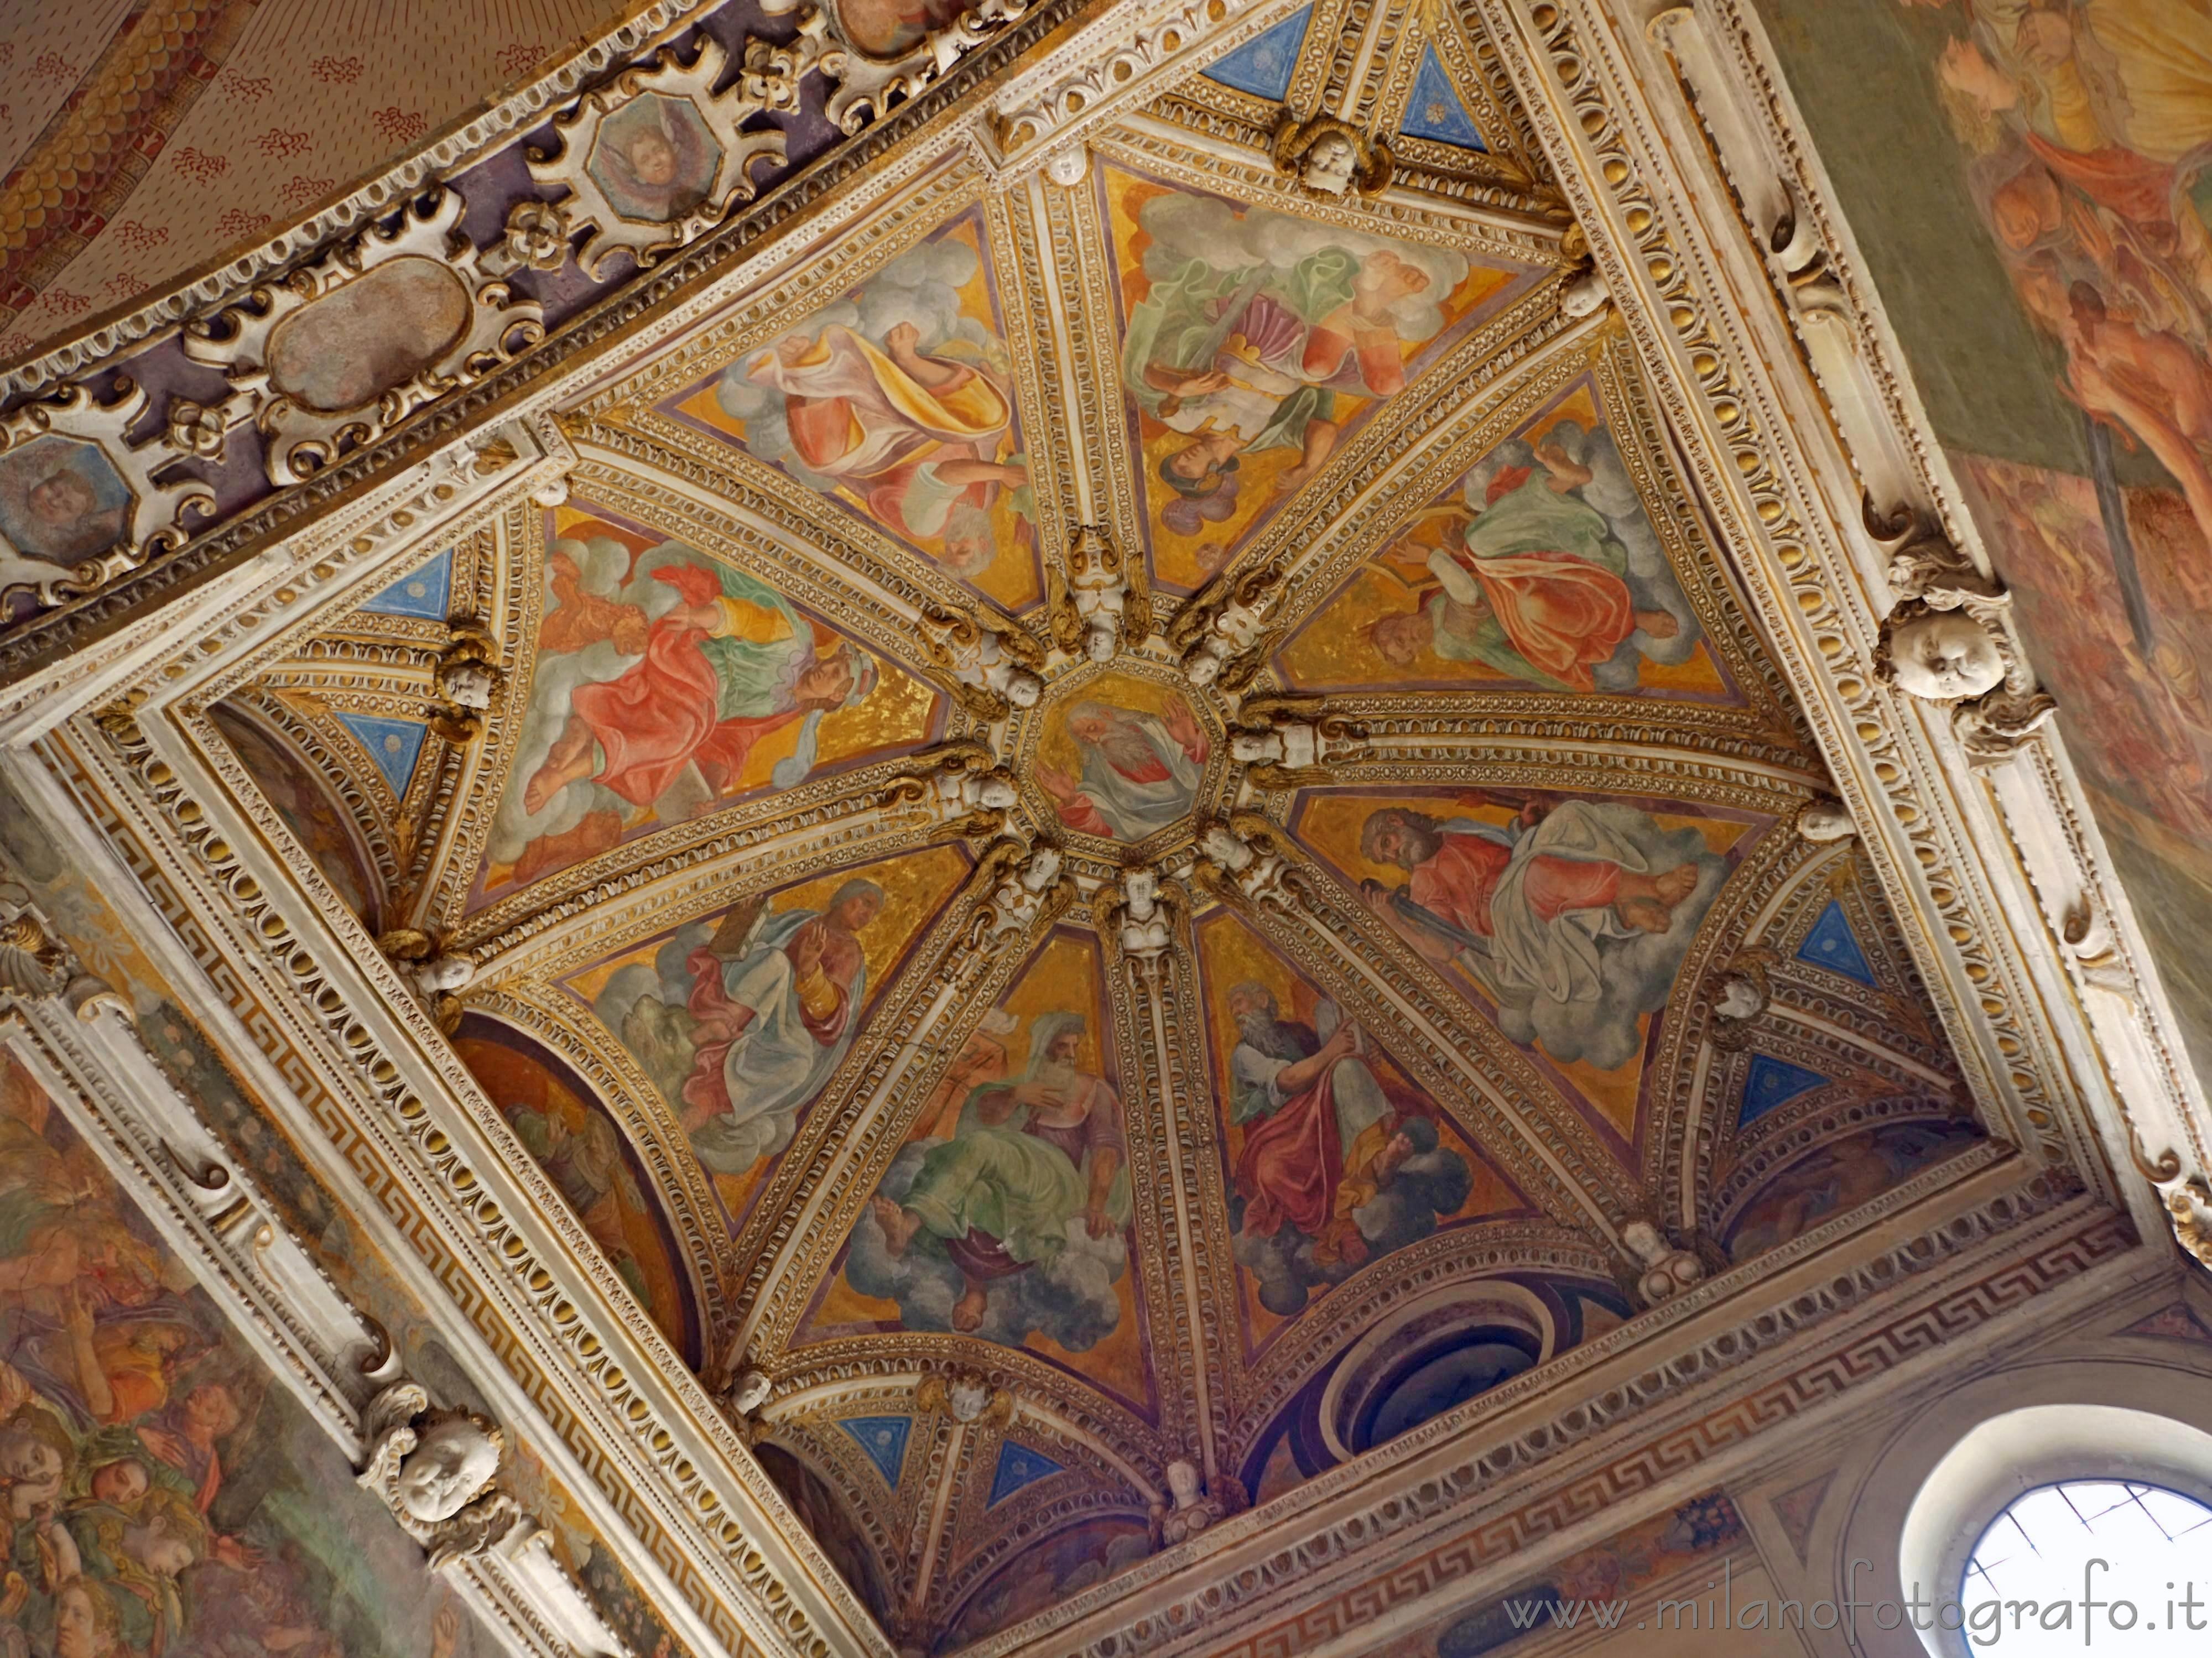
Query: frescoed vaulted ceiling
x=1061 y=806
x=850 y=1089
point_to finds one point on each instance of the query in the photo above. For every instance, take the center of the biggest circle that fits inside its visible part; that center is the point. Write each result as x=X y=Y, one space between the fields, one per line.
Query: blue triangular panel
x=1434 y=110
x=1262 y=66
x=883 y=1439
x=1829 y=944
x=1018 y=1465
x=1773 y=1083
x=394 y=745
x=425 y=593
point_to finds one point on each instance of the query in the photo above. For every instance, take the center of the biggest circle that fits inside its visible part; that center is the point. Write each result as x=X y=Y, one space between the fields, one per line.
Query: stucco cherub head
x=1024 y=688
x=997 y=792
x=1140 y=892
x=1183 y=1482
x=750 y=1391
x=467 y=684
x=1222 y=845
x=1822 y=821
x=1203 y=665
x=455 y=1455
x=1740 y=998
x=967 y=1398
x=1329 y=164
x=445 y=974
x=1042 y=869
x=1943 y=656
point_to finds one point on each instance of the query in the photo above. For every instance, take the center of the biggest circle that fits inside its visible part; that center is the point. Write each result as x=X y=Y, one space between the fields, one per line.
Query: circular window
x=2090 y=1561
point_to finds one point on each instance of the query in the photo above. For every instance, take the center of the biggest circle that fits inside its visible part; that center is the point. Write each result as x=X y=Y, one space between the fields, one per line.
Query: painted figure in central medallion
x=1123 y=760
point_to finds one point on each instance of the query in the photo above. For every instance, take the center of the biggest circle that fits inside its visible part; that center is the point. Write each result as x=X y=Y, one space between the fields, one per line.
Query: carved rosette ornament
x=434 y=1469
x=337 y=353
x=79 y=505
x=656 y=158
x=1329 y=157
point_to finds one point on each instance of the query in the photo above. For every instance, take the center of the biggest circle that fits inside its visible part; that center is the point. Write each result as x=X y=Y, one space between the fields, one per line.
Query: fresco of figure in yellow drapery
x=916 y=435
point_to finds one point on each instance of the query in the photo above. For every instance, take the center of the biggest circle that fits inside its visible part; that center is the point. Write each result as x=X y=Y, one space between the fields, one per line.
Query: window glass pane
x=2141 y=1554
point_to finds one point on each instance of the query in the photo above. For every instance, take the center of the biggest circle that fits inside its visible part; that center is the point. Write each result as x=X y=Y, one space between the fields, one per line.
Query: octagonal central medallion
x=1122 y=756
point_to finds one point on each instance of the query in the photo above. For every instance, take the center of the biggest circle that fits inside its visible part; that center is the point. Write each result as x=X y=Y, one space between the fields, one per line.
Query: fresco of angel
x=899 y=399
x=657 y=678
x=1543 y=567
x=1573 y=916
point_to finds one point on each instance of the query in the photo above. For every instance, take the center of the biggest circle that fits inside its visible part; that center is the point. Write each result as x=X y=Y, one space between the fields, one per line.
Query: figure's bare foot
x=899 y=1224
x=968 y=1311
x=1660 y=624
x=1676 y=885
x=570 y=759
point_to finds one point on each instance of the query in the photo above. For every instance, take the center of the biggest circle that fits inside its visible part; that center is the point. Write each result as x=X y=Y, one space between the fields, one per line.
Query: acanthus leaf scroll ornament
x=656 y=158
x=339 y=352
x=1924 y=563
x=873 y=75
x=1329 y=157
x=79 y=503
x=32 y=961
x=435 y=1469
